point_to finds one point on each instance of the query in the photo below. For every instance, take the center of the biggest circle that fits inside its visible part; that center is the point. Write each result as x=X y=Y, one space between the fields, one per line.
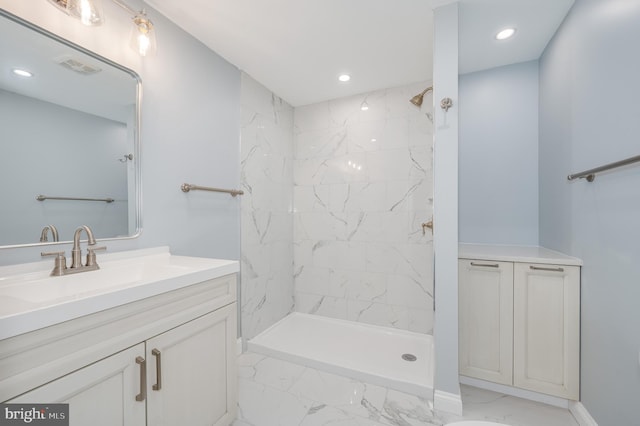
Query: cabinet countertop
x=506 y=253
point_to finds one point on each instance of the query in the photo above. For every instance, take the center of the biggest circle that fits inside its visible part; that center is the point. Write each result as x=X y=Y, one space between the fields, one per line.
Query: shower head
x=417 y=99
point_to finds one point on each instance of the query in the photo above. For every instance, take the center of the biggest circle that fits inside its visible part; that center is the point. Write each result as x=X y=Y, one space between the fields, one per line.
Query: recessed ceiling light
x=505 y=34
x=22 y=73
x=344 y=77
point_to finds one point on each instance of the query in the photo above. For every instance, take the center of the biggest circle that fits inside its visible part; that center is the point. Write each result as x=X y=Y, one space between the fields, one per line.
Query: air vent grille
x=78 y=66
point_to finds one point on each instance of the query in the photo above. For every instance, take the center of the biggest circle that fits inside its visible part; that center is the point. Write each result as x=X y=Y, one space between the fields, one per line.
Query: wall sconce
x=143 y=38
x=89 y=12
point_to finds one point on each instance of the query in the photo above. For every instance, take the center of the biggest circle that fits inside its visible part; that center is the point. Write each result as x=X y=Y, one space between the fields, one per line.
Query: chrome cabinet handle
x=158 y=356
x=486 y=265
x=143 y=379
x=540 y=268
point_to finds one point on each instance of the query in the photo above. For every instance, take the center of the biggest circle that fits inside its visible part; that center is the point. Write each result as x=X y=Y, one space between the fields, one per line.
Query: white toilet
x=475 y=423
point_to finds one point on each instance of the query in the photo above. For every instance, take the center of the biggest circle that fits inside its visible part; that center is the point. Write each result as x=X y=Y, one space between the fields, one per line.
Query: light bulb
x=143 y=44
x=88 y=11
x=143 y=37
x=85 y=12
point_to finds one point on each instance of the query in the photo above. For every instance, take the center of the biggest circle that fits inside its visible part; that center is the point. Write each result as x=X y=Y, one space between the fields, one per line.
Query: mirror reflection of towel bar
x=46 y=197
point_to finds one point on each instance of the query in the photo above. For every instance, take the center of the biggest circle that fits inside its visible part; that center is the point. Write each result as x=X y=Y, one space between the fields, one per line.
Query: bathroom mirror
x=69 y=139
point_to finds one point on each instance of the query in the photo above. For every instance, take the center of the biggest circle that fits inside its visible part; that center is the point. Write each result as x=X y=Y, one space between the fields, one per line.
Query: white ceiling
x=109 y=93
x=297 y=48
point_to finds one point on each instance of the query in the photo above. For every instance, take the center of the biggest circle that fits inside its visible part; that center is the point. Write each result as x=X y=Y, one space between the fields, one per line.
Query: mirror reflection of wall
x=57 y=151
x=70 y=130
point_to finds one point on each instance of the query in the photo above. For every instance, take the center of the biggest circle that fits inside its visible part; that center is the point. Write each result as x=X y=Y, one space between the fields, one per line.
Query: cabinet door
x=486 y=320
x=101 y=394
x=547 y=329
x=192 y=372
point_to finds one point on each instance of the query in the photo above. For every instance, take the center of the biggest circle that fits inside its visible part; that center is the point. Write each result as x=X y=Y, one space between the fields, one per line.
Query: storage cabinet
x=520 y=325
x=190 y=370
x=101 y=394
x=486 y=320
x=167 y=360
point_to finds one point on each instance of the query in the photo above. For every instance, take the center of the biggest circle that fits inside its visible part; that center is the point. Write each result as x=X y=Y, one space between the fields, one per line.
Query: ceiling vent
x=77 y=65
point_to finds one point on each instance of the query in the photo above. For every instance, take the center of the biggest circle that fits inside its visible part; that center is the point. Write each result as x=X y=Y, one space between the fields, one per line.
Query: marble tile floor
x=273 y=392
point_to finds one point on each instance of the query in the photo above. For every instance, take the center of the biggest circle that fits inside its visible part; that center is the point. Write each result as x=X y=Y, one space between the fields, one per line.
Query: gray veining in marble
x=266 y=208
x=362 y=188
x=273 y=392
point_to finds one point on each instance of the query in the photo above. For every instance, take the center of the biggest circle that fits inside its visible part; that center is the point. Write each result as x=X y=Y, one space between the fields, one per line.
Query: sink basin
x=111 y=275
x=30 y=297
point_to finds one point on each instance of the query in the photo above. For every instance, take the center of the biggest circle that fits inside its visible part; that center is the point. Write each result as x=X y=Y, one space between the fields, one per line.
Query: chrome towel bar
x=590 y=174
x=46 y=197
x=186 y=187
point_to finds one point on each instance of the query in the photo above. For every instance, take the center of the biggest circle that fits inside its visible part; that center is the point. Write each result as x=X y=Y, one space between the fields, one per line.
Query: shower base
x=377 y=355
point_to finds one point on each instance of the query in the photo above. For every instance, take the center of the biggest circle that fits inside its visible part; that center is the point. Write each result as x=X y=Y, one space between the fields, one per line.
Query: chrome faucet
x=45 y=231
x=76 y=252
x=76 y=255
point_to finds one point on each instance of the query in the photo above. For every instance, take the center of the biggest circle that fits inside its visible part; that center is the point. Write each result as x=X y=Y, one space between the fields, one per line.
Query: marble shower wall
x=266 y=268
x=362 y=188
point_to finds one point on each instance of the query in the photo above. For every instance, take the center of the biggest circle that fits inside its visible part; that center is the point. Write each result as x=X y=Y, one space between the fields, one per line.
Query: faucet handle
x=53 y=253
x=60 y=262
x=91 y=255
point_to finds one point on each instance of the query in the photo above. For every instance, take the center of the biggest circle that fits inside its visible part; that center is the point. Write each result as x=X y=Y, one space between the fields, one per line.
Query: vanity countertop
x=507 y=253
x=30 y=299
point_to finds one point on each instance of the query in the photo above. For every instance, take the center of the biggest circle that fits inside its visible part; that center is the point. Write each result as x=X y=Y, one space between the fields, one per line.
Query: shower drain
x=409 y=357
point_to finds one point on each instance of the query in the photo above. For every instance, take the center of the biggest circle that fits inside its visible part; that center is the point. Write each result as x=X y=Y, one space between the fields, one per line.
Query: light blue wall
x=190 y=132
x=589 y=116
x=499 y=155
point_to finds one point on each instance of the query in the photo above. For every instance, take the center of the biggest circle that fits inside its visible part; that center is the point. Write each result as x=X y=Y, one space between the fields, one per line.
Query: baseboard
x=447 y=402
x=581 y=414
x=520 y=393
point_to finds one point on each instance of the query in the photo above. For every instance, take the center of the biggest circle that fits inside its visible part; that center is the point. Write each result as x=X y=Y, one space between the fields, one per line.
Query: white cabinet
x=486 y=320
x=101 y=394
x=166 y=360
x=546 y=329
x=191 y=368
x=520 y=325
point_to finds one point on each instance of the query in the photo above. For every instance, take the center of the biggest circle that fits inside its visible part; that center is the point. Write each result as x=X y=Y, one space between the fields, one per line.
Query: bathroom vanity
x=150 y=338
x=519 y=318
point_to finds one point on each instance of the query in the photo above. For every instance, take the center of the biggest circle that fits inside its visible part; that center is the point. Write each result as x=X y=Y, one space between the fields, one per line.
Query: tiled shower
x=335 y=195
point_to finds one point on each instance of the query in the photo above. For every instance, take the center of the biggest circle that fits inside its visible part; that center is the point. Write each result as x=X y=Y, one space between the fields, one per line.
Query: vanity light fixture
x=143 y=38
x=22 y=73
x=505 y=34
x=344 y=77
x=89 y=12
x=364 y=106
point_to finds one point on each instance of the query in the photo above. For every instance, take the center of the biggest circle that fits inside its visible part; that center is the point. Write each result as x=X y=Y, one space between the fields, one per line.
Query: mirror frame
x=137 y=175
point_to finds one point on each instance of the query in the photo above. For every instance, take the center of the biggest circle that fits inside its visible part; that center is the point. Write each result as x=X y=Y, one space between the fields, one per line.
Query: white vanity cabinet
x=519 y=323
x=164 y=360
x=100 y=394
x=190 y=373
